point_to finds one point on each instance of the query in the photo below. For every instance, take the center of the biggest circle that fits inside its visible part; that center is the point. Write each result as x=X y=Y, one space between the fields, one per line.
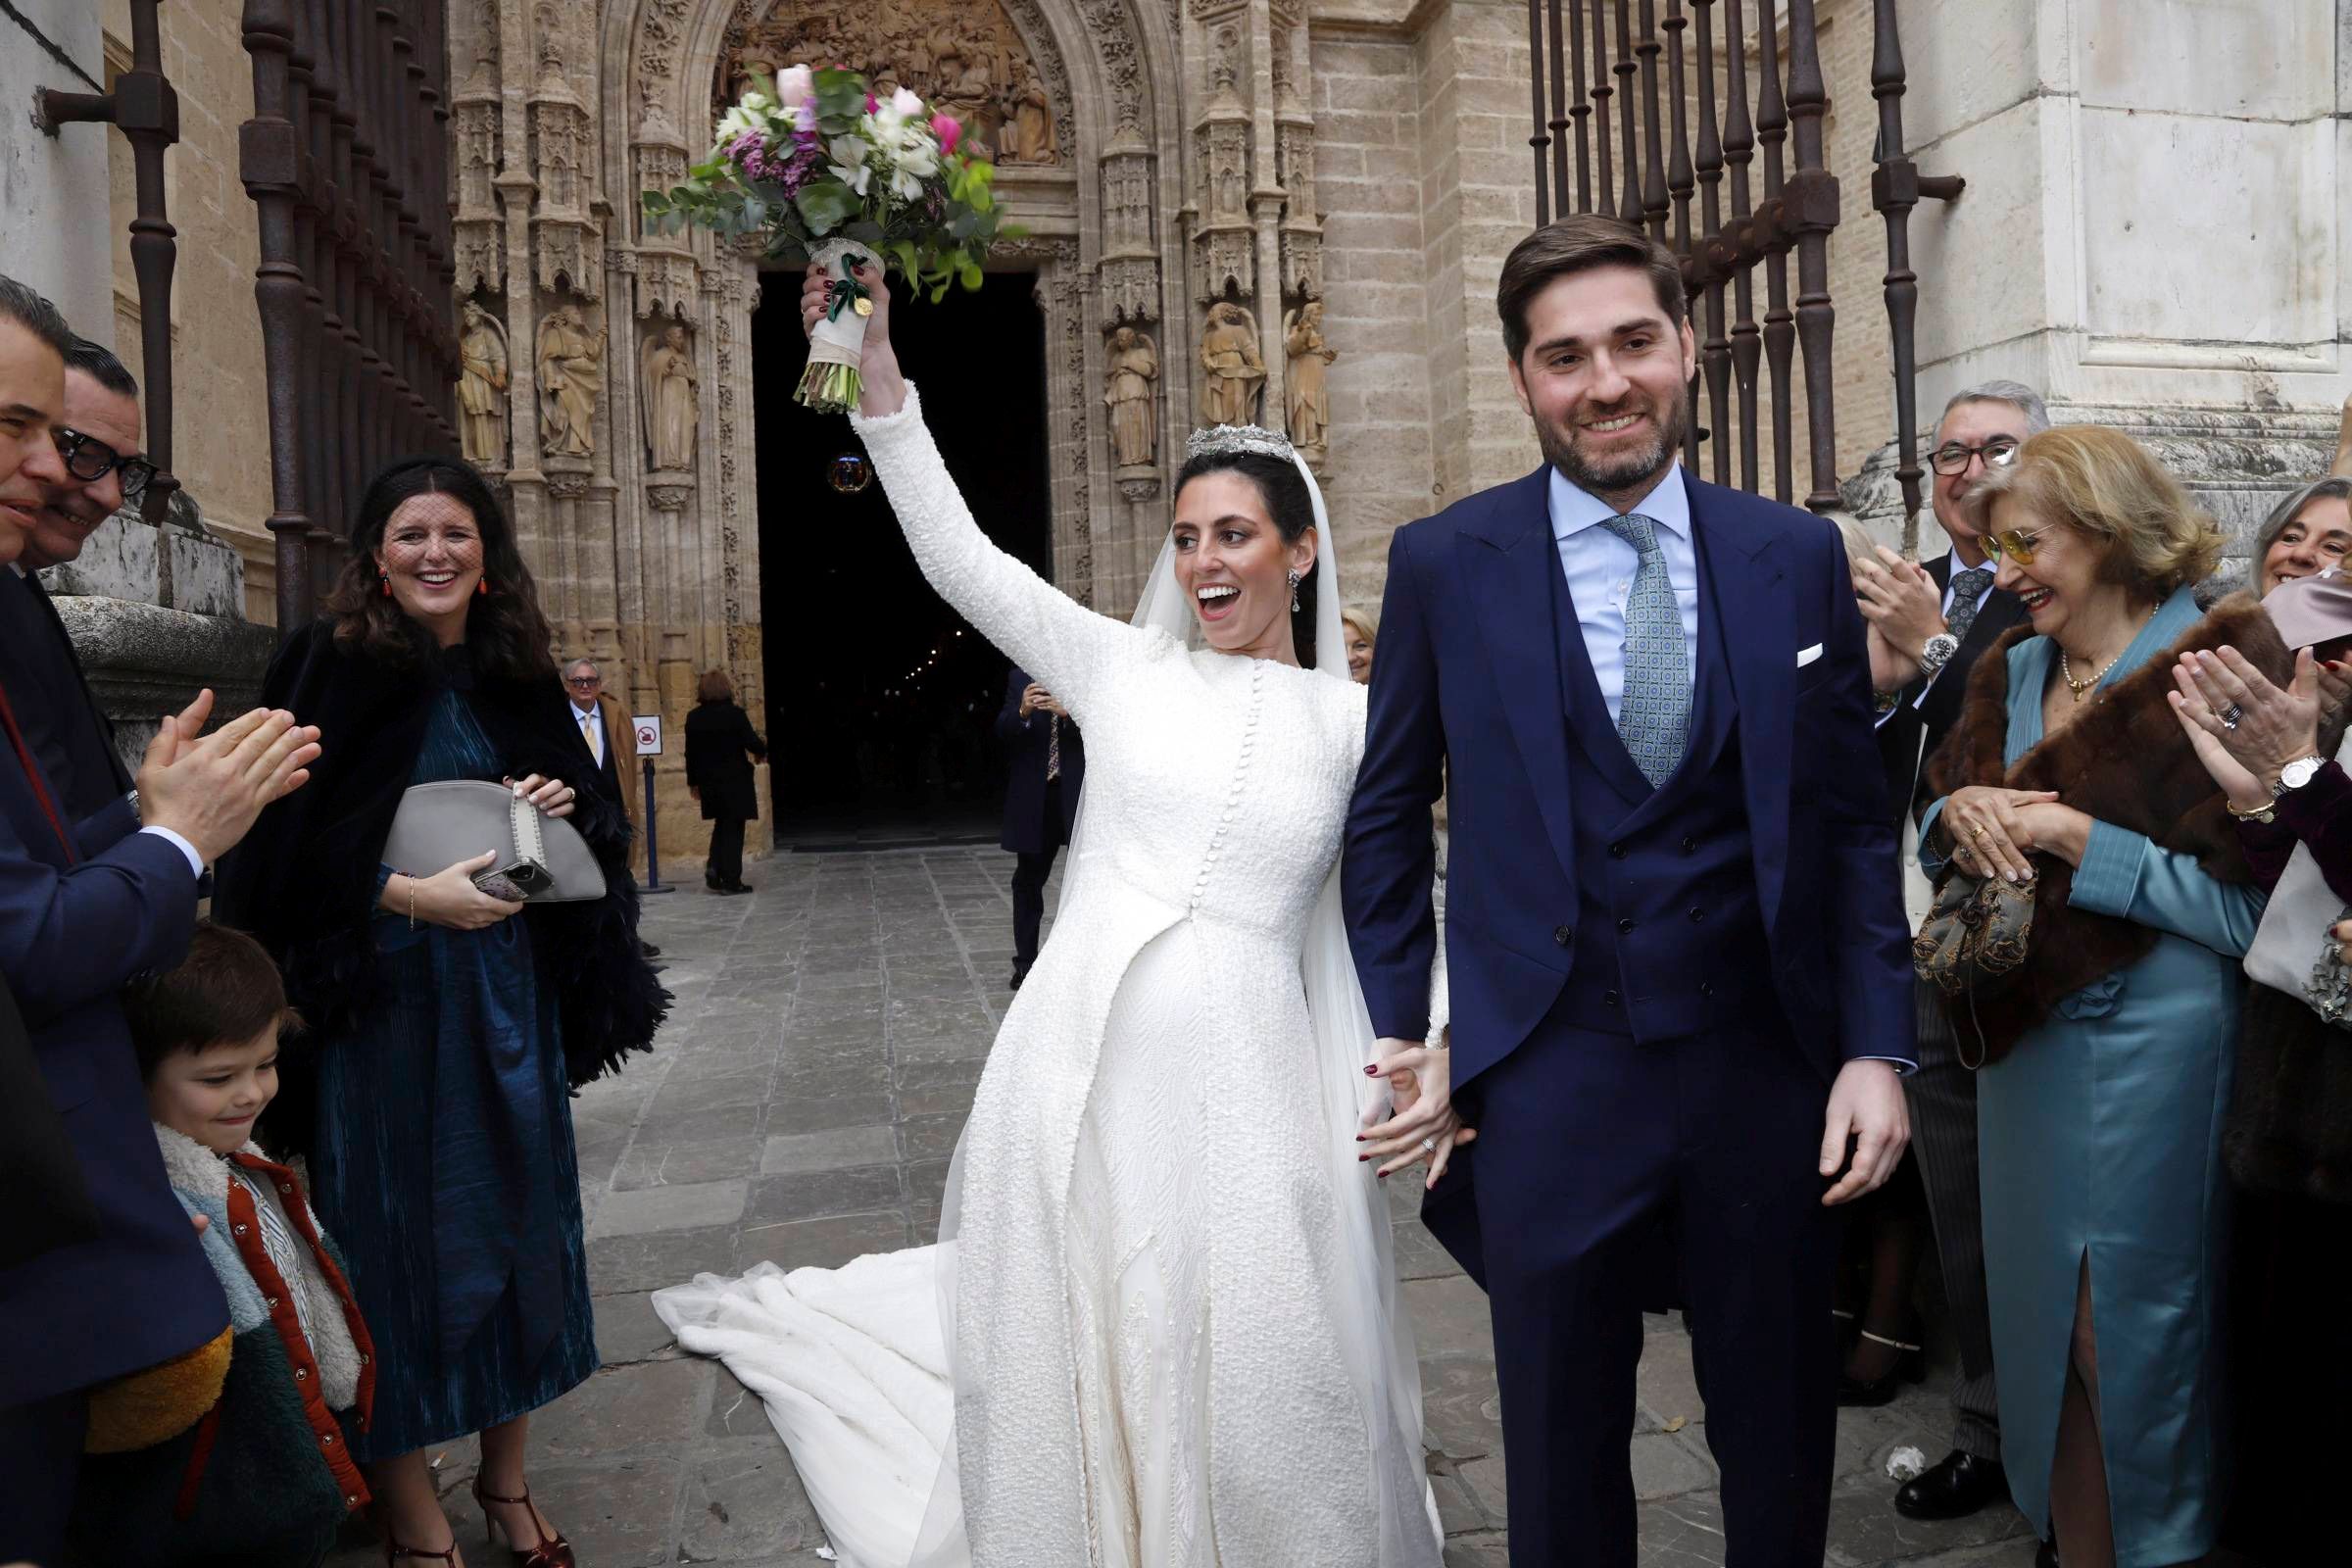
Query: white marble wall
x=2153 y=215
x=54 y=188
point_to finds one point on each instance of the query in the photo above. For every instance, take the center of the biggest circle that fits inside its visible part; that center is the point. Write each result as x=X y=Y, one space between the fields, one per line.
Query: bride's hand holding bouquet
x=840 y=178
x=881 y=389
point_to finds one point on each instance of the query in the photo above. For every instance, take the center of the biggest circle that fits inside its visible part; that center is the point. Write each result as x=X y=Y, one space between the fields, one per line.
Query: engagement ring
x=1430 y=1145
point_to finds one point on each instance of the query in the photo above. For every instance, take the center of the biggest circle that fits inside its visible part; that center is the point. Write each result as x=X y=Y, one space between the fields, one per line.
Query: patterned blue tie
x=1654 y=716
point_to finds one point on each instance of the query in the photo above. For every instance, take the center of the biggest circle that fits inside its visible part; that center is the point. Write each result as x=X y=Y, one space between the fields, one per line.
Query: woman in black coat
x=720 y=744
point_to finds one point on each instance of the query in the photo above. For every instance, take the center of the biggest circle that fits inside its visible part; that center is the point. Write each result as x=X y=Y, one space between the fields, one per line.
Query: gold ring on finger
x=1976 y=832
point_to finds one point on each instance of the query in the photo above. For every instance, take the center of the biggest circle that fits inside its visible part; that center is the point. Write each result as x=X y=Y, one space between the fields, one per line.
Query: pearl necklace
x=2066 y=669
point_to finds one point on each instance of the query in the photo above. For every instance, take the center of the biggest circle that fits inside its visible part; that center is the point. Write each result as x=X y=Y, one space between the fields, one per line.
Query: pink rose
x=948 y=133
x=872 y=103
x=794 y=84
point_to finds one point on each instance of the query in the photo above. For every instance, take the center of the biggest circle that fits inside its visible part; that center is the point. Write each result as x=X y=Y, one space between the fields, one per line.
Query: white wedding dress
x=1160 y=1329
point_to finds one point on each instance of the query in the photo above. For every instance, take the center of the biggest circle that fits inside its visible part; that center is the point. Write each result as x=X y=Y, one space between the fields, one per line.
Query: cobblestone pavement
x=802 y=1106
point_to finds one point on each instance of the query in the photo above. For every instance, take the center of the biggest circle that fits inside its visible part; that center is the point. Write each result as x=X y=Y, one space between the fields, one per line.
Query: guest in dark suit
x=601 y=725
x=1928 y=625
x=1045 y=768
x=106 y=471
x=138 y=1291
x=1679 y=969
x=720 y=749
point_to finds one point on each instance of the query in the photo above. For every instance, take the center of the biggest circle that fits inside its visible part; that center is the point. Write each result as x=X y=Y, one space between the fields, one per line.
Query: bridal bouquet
x=832 y=173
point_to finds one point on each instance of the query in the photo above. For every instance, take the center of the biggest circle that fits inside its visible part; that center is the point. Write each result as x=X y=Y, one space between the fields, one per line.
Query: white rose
x=905 y=104
x=794 y=84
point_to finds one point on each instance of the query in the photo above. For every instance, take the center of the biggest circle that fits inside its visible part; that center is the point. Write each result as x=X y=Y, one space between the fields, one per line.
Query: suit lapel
x=1760 y=650
x=1508 y=563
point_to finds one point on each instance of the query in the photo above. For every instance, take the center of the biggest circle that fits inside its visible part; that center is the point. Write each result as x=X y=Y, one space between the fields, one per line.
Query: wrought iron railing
x=144 y=107
x=1650 y=167
x=347 y=160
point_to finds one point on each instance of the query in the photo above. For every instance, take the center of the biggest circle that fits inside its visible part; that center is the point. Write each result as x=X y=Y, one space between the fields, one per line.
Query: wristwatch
x=1936 y=652
x=2295 y=774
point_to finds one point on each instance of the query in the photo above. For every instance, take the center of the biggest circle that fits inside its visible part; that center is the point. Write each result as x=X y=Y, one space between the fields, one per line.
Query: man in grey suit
x=1928 y=625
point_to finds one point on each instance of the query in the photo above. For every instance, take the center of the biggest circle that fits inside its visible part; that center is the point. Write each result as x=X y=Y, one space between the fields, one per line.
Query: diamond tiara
x=1217 y=438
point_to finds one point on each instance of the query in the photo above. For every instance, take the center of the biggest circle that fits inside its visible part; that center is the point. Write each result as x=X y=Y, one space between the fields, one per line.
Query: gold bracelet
x=412 y=901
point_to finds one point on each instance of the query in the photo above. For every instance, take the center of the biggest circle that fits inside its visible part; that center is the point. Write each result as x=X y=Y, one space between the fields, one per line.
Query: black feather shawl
x=304 y=879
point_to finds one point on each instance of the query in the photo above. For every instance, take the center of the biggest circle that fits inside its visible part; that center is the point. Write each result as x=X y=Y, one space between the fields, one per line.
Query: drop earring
x=482 y=587
x=1294 y=579
x=384 y=578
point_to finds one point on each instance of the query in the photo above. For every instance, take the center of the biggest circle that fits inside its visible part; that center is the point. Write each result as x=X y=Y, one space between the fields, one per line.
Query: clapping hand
x=2222 y=696
x=1904 y=609
x=1424 y=1125
x=209 y=787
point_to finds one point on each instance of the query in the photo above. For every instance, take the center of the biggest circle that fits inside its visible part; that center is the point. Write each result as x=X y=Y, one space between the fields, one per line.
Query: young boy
x=262 y=1476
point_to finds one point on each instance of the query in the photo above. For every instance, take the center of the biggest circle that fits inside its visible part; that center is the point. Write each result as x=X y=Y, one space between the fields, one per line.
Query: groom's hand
x=1865 y=1106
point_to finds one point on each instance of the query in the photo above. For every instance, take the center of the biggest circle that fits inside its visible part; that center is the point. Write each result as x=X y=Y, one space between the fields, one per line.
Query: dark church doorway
x=881 y=700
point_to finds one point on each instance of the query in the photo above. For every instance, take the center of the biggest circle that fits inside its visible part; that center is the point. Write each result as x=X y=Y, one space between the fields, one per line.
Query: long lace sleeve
x=1064 y=645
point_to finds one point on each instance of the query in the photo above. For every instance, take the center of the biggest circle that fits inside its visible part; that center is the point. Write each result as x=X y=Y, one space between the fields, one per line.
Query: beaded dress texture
x=1152 y=1301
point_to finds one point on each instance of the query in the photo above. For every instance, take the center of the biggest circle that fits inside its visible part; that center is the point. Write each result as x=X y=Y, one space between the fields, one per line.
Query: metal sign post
x=647 y=728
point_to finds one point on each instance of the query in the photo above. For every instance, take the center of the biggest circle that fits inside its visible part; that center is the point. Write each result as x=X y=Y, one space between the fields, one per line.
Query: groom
x=1675 y=938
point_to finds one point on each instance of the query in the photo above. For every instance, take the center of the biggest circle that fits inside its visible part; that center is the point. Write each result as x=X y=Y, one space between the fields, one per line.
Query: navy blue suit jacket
x=71 y=936
x=1466 y=697
x=1025 y=770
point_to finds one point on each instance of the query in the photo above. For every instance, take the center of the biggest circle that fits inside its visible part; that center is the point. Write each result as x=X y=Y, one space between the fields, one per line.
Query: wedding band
x=1976 y=832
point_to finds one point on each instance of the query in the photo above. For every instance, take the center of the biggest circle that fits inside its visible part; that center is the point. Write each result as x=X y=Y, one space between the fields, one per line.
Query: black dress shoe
x=1954 y=1489
x=2047 y=1557
x=649 y=950
x=1910 y=1365
x=1020 y=972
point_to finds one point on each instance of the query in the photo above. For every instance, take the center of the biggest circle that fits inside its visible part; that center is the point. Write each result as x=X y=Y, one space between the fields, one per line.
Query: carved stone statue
x=1236 y=372
x=482 y=389
x=571 y=377
x=1033 y=138
x=667 y=389
x=1133 y=371
x=1308 y=359
x=966 y=85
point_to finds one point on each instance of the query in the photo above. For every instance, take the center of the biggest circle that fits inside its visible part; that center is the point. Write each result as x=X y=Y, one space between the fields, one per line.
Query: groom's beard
x=1635 y=471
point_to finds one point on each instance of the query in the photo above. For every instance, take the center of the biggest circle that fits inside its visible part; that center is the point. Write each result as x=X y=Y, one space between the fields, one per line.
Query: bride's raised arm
x=1060 y=642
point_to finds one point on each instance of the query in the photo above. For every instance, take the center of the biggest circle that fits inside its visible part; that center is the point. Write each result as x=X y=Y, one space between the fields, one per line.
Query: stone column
x=2150 y=229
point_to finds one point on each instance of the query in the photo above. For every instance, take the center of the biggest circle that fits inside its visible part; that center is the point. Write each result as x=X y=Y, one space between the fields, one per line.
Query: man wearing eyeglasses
x=1928 y=625
x=98 y=444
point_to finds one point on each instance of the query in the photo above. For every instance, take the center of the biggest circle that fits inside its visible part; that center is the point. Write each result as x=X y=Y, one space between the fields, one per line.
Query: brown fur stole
x=2126 y=763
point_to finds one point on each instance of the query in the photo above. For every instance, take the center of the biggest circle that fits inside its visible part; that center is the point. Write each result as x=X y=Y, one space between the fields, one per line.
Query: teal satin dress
x=2100 y=1137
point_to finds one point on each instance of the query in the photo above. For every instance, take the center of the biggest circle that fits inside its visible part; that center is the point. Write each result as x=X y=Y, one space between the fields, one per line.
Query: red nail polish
x=1372 y=1069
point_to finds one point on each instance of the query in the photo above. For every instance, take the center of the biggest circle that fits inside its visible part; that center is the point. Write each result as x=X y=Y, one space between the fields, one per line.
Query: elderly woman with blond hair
x=1362 y=632
x=2107 y=1048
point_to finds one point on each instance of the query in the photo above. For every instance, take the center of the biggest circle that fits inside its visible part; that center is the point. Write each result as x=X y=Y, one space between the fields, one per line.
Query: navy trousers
x=1594 y=1152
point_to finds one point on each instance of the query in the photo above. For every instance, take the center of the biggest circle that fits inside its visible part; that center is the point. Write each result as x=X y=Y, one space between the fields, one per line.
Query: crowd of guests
x=303 y=1194
x=298 y=1193
x=2130 y=1134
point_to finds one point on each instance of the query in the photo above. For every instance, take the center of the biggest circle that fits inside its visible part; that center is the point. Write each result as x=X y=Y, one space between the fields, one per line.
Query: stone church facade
x=1297 y=208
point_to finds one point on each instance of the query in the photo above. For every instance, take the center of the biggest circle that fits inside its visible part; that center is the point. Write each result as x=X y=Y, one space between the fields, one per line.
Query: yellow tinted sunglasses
x=2016 y=544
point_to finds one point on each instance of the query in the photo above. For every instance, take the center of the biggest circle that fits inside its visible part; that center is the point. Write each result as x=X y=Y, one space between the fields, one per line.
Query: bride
x=1160 y=1328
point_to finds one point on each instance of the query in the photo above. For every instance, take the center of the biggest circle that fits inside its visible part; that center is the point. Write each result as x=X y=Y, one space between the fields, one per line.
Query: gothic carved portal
x=967 y=60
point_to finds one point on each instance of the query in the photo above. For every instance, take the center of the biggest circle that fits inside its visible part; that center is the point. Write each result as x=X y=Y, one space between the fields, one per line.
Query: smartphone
x=515 y=882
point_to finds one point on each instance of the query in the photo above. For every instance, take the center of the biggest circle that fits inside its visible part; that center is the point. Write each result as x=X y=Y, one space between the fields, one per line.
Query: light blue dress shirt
x=1600 y=571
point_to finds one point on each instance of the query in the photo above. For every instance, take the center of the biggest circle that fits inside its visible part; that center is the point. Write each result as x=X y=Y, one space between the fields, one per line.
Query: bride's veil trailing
x=1378 y=1339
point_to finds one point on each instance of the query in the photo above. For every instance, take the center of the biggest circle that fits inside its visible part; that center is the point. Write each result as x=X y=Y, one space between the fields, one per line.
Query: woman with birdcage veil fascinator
x=1160 y=1327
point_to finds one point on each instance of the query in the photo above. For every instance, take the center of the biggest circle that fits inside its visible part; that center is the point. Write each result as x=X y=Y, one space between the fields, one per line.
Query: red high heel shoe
x=394 y=1551
x=552 y=1551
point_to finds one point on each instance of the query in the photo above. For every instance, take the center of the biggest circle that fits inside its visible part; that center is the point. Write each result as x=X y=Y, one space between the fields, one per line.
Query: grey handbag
x=438 y=825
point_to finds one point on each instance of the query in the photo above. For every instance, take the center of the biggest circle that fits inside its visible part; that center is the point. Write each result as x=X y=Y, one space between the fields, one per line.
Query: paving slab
x=800 y=1109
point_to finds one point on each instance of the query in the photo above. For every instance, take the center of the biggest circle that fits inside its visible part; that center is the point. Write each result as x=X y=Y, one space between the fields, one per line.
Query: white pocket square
x=1808 y=656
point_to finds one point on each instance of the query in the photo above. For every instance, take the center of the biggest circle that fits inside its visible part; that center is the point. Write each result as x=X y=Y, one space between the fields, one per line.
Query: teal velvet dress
x=2100 y=1138
x=445 y=1168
